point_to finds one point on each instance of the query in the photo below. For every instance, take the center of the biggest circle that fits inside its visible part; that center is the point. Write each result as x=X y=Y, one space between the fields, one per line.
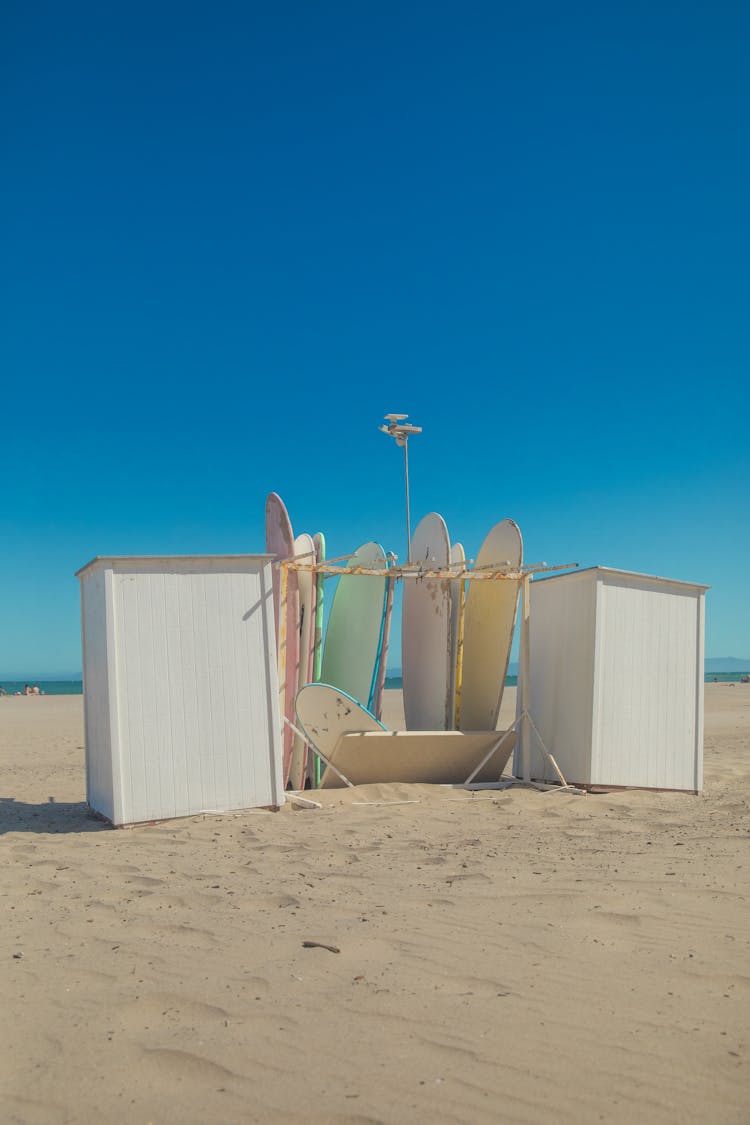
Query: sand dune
x=518 y=957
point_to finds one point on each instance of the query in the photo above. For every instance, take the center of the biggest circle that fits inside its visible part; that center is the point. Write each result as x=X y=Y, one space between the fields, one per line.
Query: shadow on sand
x=52 y=816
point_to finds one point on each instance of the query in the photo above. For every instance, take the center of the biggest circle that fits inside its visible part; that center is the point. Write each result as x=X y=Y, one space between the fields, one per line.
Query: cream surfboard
x=353 y=635
x=458 y=590
x=324 y=713
x=426 y=632
x=280 y=543
x=304 y=549
x=489 y=620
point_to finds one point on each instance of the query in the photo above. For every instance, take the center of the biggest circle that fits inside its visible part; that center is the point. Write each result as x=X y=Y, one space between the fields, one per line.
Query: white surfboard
x=353 y=635
x=324 y=713
x=457 y=556
x=304 y=546
x=488 y=629
x=426 y=632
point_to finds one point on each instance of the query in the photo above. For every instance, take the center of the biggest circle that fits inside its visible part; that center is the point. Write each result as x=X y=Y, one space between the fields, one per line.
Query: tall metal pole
x=408 y=521
x=399 y=429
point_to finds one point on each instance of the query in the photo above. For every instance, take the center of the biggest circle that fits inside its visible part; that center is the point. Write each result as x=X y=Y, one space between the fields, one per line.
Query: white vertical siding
x=700 y=642
x=561 y=626
x=645 y=712
x=193 y=696
x=617 y=678
x=99 y=781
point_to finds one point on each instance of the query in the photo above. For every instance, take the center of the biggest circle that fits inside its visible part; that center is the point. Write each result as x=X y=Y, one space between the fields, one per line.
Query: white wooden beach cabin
x=616 y=679
x=180 y=686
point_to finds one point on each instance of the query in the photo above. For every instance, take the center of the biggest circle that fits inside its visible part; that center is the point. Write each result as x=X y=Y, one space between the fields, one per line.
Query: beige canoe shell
x=429 y=757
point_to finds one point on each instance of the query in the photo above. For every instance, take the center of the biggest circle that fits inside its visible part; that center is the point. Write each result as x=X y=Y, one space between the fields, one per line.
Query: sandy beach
x=514 y=957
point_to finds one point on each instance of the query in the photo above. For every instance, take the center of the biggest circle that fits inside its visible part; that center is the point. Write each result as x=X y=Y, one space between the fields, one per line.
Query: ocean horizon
x=394 y=682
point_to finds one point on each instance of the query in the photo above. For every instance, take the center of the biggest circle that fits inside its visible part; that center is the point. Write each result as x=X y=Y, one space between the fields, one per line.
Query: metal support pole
x=524 y=684
x=408 y=517
x=398 y=428
x=283 y=584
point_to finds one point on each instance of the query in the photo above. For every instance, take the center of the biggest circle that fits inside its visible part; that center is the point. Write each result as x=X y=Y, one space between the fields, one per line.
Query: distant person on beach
x=27 y=689
x=35 y=690
x=3 y=691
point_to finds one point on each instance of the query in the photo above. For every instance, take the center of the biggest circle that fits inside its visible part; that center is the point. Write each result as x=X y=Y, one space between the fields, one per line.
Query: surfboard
x=353 y=635
x=489 y=620
x=376 y=703
x=324 y=713
x=303 y=546
x=319 y=540
x=426 y=632
x=457 y=556
x=280 y=543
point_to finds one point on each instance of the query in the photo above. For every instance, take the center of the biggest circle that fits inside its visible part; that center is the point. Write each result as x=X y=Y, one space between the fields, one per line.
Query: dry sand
x=522 y=957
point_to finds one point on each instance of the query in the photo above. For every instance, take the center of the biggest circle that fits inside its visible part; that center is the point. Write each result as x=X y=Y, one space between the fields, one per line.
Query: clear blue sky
x=235 y=235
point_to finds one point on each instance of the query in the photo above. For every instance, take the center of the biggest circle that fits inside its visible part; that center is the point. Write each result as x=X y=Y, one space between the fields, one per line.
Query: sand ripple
x=516 y=957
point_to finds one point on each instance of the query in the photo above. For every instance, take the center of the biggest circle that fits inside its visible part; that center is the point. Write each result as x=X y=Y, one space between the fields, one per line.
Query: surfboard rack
x=417 y=570
x=524 y=724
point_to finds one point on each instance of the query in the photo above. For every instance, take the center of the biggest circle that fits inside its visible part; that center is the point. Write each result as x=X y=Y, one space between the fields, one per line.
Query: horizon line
x=72 y=677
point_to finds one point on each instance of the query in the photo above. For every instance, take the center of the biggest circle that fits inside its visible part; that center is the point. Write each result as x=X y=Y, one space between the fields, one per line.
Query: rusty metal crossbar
x=483 y=574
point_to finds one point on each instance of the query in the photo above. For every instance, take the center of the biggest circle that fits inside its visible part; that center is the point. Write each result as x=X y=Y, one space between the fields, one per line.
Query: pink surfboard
x=304 y=548
x=280 y=542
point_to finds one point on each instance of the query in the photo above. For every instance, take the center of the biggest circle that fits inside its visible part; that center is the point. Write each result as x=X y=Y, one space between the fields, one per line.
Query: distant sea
x=46 y=687
x=75 y=687
x=396 y=682
x=511 y=681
